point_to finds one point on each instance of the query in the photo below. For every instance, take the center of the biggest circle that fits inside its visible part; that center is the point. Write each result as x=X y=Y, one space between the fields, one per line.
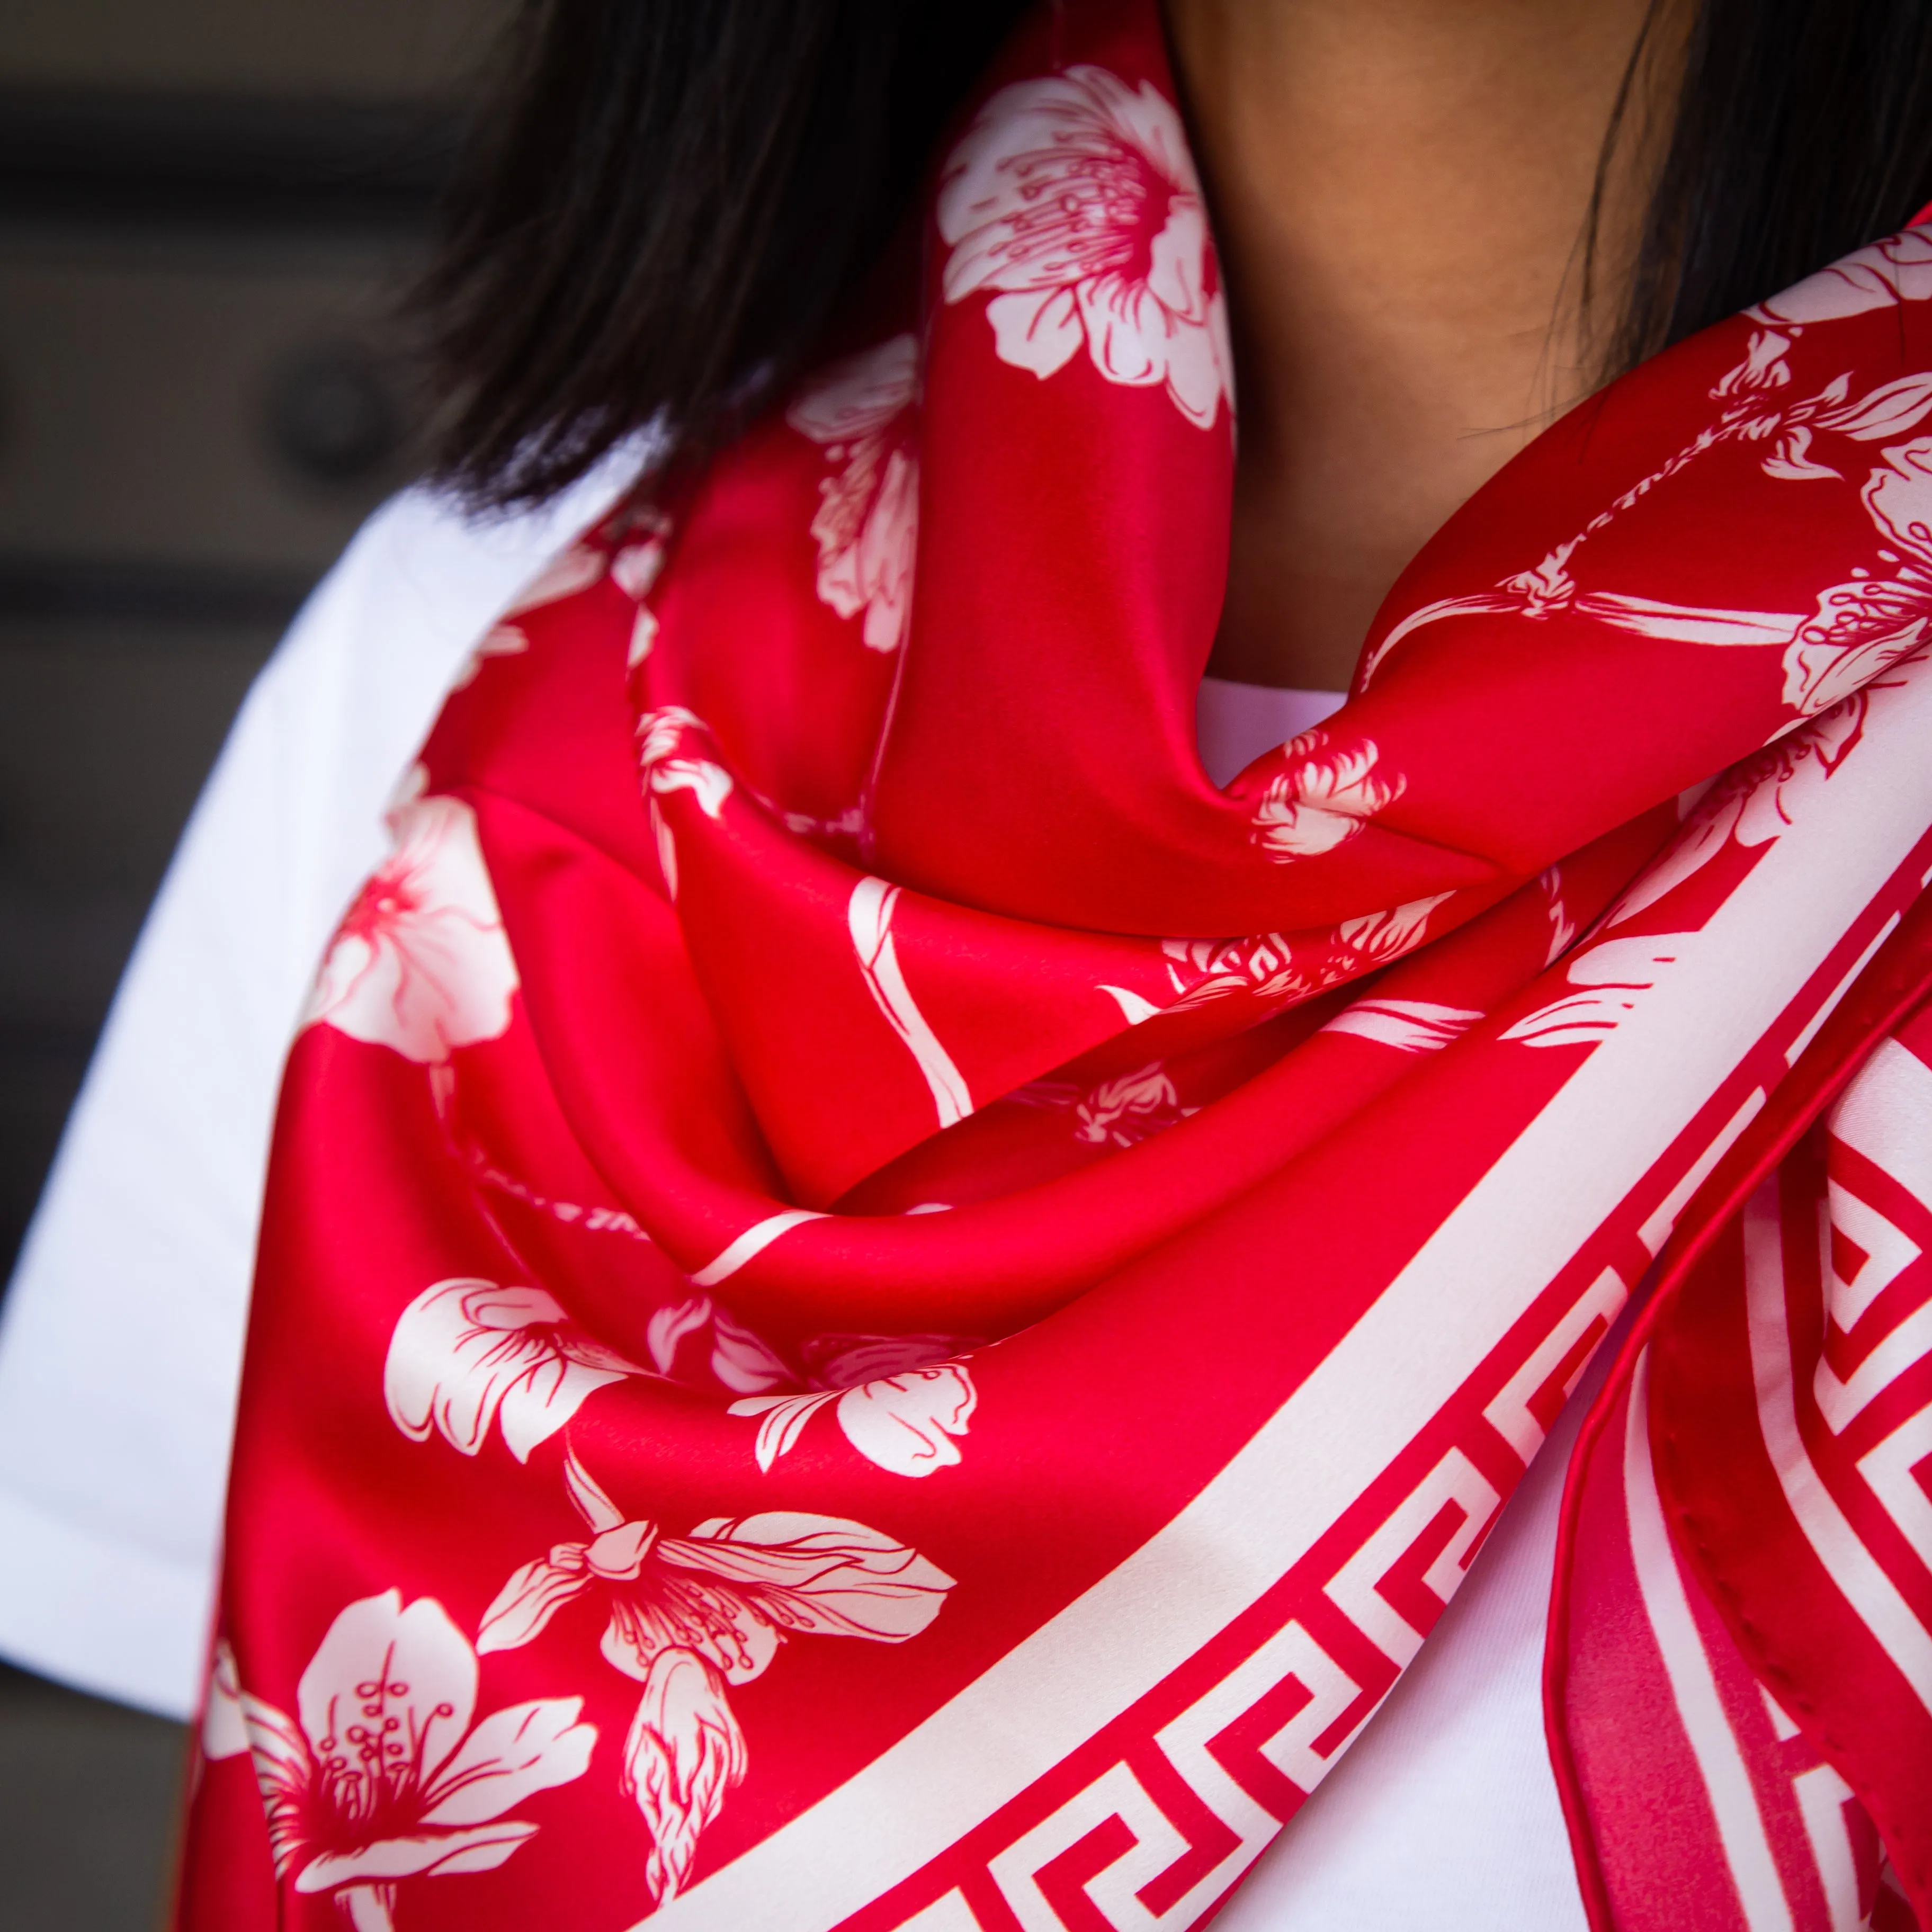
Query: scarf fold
x=880 y=1309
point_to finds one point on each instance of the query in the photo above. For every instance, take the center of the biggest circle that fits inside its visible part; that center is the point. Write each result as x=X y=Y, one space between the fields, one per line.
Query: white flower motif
x=845 y=1361
x=1887 y=623
x=867 y=524
x=635 y=570
x=905 y=1422
x=660 y=732
x=684 y=1755
x=1612 y=977
x=500 y=640
x=1379 y=936
x=571 y=570
x=467 y=1353
x=1763 y=369
x=1325 y=797
x=1074 y=200
x=736 y=1357
x=1130 y=1108
x=383 y=1779
x=1264 y=964
x=1898 y=496
x=1862 y=628
x=689 y=1616
x=1562 y=927
x=1409 y=1026
x=1751 y=804
x=421 y=963
x=1898 y=269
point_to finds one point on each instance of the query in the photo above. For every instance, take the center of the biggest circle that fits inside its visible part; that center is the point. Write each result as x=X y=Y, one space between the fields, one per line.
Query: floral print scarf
x=880 y=1309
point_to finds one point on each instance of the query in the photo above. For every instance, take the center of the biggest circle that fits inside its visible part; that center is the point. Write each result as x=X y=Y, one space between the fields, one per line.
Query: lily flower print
x=905 y=1422
x=421 y=963
x=867 y=525
x=467 y=1353
x=1323 y=798
x=1074 y=201
x=689 y=1616
x=381 y=1777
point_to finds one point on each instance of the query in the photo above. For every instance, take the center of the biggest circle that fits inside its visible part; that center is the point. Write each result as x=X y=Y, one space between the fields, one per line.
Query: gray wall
x=206 y=209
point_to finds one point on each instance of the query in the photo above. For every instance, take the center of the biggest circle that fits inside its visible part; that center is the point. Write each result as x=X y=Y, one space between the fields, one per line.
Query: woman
x=829 y=1349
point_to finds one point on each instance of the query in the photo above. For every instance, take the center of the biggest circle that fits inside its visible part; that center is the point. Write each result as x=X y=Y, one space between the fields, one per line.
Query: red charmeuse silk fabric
x=880 y=1309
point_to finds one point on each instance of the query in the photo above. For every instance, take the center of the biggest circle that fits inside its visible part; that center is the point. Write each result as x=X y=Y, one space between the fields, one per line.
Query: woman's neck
x=1400 y=190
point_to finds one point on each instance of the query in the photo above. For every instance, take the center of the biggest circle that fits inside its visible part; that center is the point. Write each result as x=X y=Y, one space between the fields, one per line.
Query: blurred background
x=207 y=210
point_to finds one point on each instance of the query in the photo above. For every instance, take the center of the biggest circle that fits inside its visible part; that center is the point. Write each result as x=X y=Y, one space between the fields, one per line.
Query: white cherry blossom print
x=223 y=1734
x=731 y=1591
x=635 y=569
x=661 y=737
x=1898 y=269
x=1562 y=927
x=735 y=1356
x=1205 y=970
x=1862 y=628
x=421 y=963
x=1756 y=407
x=1610 y=979
x=466 y=1354
x=1328 y=792
x=1409 y=1026
x=688 y=1617
x=1377 y=938
x=867 y=524
x=905 y=1422
x=1072 y=201
x=1861 y=631
x=500 y=640
x=844 y=1361
x=569 y=572
x=1130 y=1108
x=1749 y=805
x=683 y=1756
x=383 y=1778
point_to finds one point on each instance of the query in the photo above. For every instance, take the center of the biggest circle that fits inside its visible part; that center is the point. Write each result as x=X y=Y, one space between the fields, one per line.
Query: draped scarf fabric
x=880 y=1310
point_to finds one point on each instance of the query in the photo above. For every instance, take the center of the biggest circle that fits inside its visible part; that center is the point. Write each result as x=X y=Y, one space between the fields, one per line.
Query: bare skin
x=1400 y=189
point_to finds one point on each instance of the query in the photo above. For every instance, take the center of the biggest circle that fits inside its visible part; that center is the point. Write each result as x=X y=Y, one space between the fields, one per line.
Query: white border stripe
x=1566 y=1173
x=1720 y=1763
x=1850 y=1565
x=754 y=1241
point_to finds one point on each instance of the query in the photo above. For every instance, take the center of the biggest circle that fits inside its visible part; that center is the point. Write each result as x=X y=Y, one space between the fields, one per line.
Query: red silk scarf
x=880 y=1310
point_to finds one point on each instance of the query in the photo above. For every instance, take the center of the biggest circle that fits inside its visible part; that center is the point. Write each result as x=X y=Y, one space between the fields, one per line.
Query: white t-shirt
x=120 y=1340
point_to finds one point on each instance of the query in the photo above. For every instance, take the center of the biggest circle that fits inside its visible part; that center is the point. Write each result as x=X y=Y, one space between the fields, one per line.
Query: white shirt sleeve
x=121 y=1337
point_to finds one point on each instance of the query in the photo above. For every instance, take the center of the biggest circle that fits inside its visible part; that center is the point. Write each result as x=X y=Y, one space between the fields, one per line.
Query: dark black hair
x=1803 y=129
x=666 y=199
